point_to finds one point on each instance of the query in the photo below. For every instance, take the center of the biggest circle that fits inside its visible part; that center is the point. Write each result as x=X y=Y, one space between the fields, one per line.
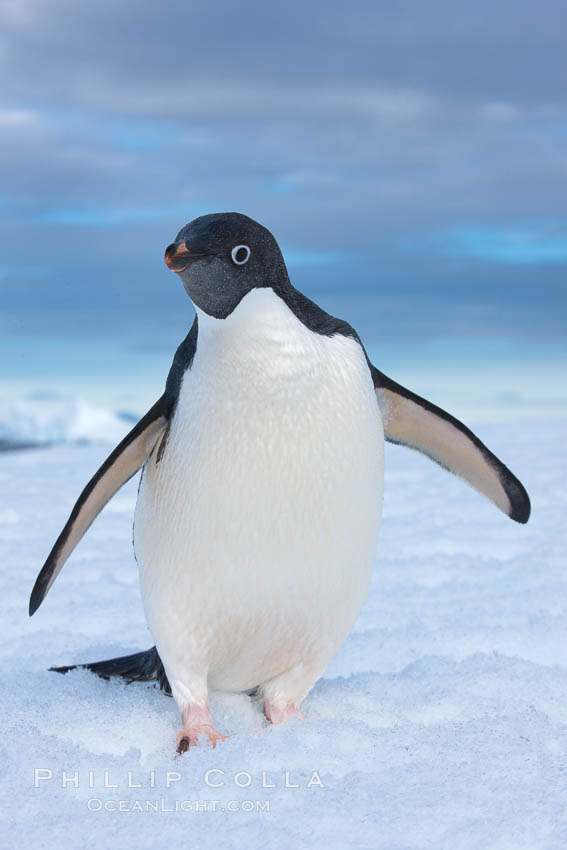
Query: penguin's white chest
x=255 y=532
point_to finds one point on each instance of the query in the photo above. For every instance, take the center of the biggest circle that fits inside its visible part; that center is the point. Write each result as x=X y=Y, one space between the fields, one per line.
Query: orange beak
x=178 y=256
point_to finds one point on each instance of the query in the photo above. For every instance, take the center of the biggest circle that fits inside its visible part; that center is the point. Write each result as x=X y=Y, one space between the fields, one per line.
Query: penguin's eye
x=240 y=254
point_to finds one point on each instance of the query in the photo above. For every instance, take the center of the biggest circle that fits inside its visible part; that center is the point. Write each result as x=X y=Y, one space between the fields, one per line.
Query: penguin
x=260 y=495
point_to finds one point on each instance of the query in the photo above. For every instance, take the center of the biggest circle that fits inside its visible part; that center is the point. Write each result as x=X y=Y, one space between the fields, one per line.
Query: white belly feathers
x=255 y=532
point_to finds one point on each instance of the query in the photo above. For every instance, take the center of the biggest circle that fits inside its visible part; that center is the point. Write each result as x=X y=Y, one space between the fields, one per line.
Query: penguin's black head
x=223 y=256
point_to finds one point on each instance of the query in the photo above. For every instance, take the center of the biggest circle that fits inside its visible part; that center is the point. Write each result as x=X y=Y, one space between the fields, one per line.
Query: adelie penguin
x=261 y=491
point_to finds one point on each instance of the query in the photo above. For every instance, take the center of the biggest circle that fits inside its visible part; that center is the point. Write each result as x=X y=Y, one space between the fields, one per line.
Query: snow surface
x=442 y=723
x=51 y=418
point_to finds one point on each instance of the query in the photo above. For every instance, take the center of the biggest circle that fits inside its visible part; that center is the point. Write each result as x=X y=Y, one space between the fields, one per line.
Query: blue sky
x=410 y=158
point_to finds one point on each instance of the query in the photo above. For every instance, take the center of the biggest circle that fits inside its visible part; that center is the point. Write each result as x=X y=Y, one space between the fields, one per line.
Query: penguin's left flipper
x=412 y=421
x=138 y=667
x=126 y=459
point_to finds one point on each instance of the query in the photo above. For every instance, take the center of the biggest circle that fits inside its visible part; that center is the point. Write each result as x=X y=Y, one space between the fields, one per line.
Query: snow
x=442 y=723
x=52 y=418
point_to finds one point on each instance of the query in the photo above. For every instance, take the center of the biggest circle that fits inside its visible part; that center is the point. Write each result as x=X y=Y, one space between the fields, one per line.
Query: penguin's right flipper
x=138 y=667
x=126 y=459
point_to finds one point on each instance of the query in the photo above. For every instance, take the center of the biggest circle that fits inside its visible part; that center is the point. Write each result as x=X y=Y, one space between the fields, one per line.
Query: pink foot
x=189 y=737
x=197 y=721
x=280 y=713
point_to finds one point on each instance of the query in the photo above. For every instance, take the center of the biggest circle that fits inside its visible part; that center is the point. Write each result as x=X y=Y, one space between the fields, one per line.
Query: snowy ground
x=441 y=724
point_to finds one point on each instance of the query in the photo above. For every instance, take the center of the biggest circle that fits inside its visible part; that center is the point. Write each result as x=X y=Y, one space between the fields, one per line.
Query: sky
x=410 y=158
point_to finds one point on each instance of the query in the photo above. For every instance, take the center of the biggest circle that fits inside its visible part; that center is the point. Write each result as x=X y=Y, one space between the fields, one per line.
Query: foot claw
x=183 y=745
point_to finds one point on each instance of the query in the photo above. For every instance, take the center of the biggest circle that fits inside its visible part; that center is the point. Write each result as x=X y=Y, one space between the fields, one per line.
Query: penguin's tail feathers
x=138 y=667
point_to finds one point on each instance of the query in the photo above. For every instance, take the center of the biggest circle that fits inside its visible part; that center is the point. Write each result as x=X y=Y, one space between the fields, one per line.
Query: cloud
x=302 y=259
x=500 y=245
x=116 y=217
x=348 y=136
x=24 y=271
x=14 y=117
x=137 y=53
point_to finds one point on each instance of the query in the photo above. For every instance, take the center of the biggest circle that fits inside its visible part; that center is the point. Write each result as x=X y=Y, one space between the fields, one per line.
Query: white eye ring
x=235 y=251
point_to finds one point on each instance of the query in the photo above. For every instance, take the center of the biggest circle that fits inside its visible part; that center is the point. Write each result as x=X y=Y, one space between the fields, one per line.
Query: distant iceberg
x=47 y=419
